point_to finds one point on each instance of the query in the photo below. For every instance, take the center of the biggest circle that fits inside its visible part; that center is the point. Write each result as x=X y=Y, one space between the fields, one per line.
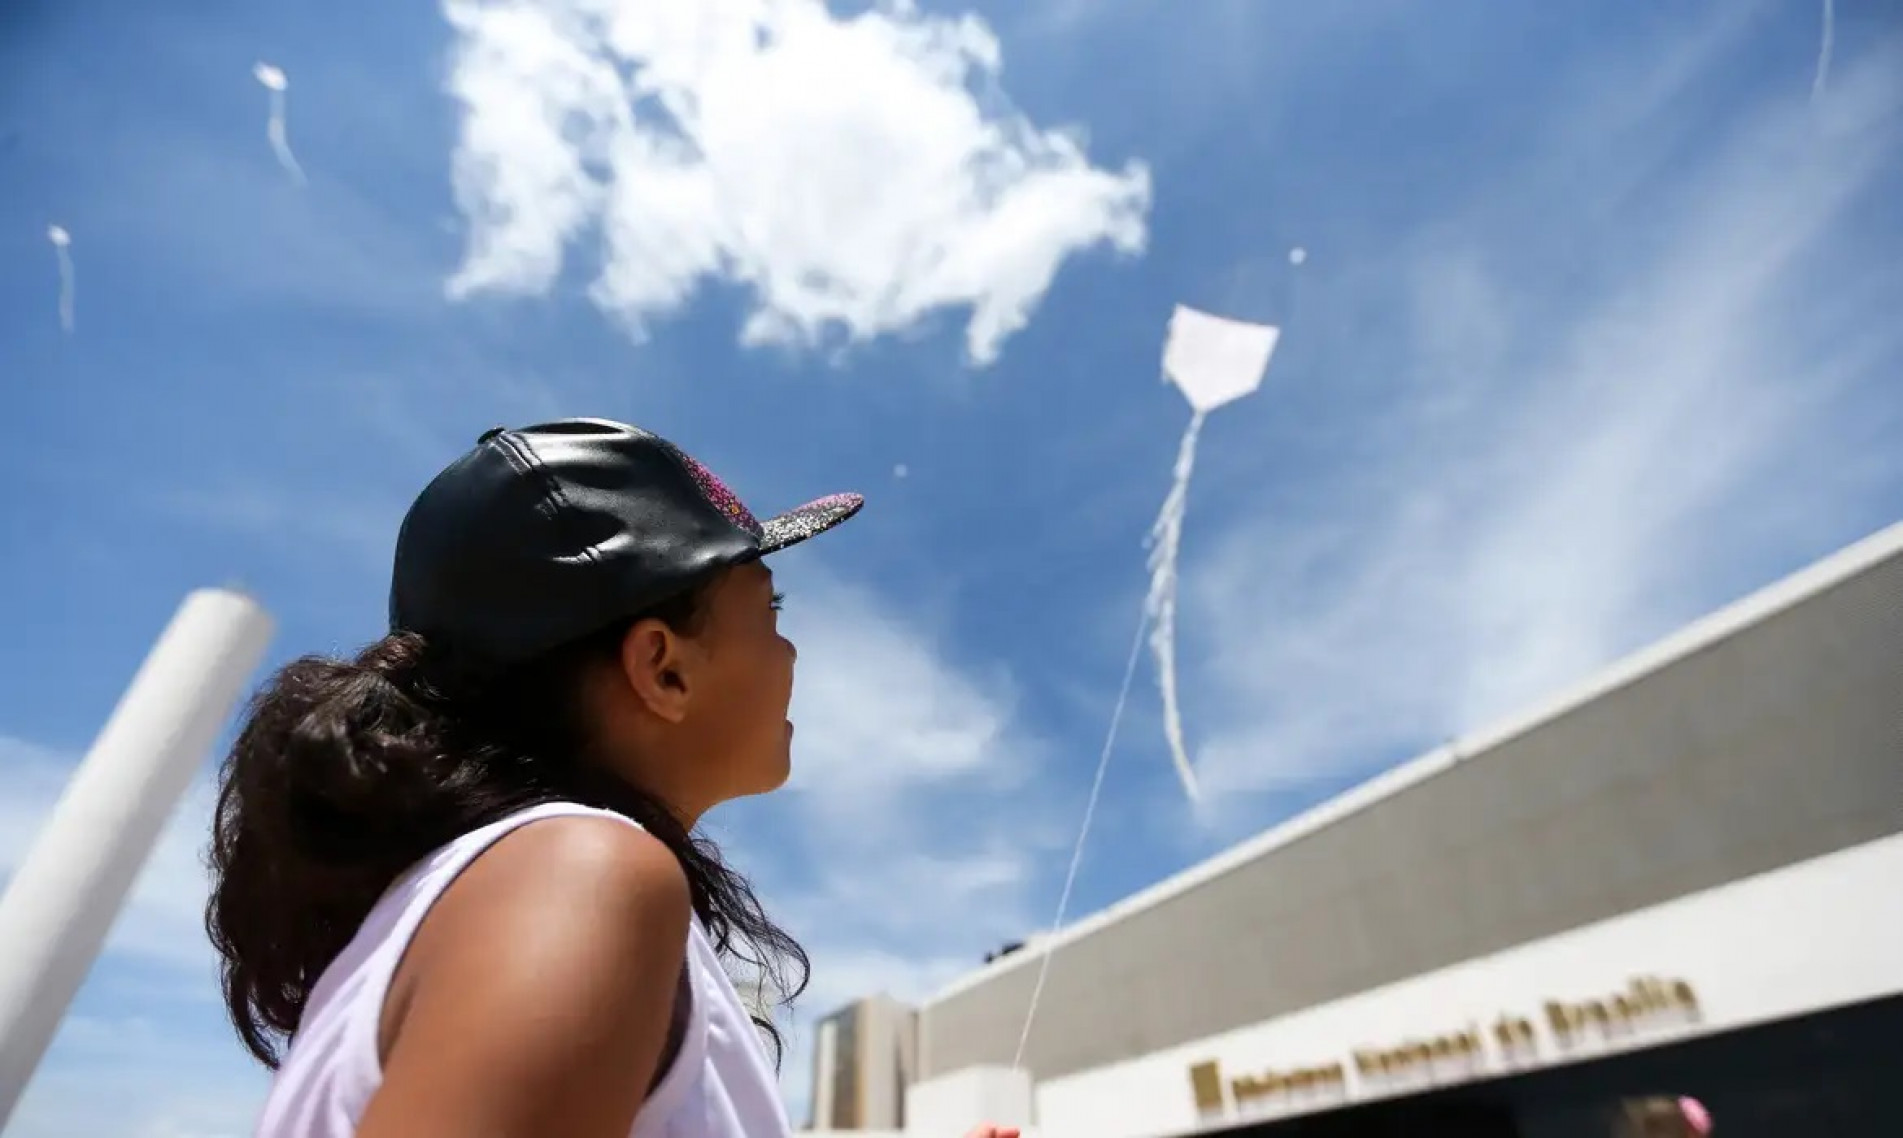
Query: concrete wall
x=1769 y=736
x=953 y=1104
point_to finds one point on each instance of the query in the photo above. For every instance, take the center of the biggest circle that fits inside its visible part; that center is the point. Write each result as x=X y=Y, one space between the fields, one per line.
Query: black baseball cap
x=543 y=534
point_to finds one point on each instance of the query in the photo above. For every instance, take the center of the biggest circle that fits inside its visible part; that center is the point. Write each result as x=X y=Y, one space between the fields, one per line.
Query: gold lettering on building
x=1417 y=1055
x=1648 y=1003
x=1264 y=1088
x=1515 y=1039
x=1205 y=1081
x=1645 y=1002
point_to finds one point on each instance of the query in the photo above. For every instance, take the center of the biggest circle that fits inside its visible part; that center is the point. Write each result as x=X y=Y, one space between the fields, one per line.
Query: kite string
x=1083 y=831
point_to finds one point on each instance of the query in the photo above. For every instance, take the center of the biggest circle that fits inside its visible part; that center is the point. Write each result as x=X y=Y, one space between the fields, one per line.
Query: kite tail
x=1824 y=50
x=276 y=133
x=65 y=288
x=1165 y=537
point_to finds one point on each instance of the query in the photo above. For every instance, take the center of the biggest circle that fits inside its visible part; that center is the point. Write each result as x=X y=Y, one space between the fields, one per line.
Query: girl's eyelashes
x=779 y=601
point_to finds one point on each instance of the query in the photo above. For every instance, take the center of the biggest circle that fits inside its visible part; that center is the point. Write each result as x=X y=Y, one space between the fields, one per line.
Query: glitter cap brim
x=802 y=522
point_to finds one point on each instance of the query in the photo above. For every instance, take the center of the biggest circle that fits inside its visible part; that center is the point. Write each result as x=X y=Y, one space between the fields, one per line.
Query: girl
x=457 y=887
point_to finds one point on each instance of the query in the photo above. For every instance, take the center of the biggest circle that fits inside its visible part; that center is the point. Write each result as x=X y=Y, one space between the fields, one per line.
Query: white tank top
x=719 y=1085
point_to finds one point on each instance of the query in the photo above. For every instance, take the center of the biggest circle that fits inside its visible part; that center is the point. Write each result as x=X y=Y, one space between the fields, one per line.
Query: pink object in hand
x=1695 y=1114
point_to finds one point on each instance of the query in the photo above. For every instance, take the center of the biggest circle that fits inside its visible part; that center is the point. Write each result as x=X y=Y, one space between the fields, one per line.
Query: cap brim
x=802 y=522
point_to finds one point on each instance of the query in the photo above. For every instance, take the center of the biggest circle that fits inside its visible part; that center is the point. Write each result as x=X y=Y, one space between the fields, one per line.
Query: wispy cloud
x=236 y=240
x=886 y=714
x=142 y=1076
x=855 y=174
x=1559 y=471
x=358 y=531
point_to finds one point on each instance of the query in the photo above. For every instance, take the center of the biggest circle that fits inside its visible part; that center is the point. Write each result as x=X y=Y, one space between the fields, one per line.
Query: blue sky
x=1596 y=333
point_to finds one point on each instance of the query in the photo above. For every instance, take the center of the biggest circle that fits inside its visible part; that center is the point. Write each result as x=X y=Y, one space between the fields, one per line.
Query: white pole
x=61 y=903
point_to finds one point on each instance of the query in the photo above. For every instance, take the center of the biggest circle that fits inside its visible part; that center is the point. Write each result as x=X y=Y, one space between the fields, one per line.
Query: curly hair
x=347 y=772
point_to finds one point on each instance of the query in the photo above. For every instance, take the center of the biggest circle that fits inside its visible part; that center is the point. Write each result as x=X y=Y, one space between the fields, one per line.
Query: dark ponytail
x=348 y=772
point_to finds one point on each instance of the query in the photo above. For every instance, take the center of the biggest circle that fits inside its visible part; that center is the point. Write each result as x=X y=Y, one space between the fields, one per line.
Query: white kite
x=278 y=84
x=62 y=248
x=1212 y=361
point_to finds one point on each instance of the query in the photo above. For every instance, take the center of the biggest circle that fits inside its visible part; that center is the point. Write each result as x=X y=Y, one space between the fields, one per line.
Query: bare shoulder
x=543 y=980
x=590 y=858
x=563 y=887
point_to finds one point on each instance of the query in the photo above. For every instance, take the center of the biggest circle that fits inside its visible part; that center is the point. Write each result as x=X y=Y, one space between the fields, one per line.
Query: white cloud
x=854 y=174
x=1559 y=474
x=878 y=711
x=910 y=771
x=360 y=529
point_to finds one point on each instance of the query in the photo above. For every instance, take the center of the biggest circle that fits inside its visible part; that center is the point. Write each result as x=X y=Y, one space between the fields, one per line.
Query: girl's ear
x=655 y=666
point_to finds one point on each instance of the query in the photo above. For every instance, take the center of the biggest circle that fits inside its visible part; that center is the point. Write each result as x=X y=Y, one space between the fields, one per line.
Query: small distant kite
x=62 y=249
x=274 y=80
x=1212 y=361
